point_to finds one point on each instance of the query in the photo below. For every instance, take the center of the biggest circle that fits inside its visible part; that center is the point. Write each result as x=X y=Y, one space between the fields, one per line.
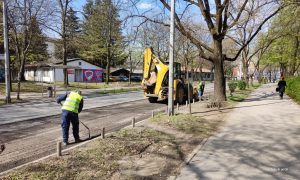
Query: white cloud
x=145 y=5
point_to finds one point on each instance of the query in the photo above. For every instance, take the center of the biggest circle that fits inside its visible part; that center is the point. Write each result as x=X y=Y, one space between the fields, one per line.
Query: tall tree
x=20 y=15
x=63 y=8
x=72 y=37
x=284 y=50
x=103 y=40
x=37 y=50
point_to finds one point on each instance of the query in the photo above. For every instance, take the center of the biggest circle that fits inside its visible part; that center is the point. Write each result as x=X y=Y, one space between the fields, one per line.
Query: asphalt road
x=20 y=112
x=32 y=139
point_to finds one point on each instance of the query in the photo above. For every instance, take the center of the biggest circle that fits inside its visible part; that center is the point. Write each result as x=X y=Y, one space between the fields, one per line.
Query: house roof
x=78 y=59
x=43 y=65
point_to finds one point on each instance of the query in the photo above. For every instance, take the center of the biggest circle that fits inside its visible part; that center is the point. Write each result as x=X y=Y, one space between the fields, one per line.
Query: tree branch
x=186 y=33
x=254 y=34
x=238 y=16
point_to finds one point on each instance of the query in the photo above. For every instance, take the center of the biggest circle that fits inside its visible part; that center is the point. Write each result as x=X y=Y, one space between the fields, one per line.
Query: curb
x=189 y=158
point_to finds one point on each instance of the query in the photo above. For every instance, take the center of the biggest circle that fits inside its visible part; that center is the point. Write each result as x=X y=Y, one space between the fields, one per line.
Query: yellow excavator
x=156 y=80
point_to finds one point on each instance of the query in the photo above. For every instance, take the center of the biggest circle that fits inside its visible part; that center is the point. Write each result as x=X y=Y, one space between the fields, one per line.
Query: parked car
x=111 y=79
x=136 y=79
x=123 y=79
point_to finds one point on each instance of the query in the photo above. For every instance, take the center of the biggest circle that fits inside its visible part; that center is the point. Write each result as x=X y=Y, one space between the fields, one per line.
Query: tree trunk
x=219 y=81
x=282 y=69
x=245 y=66
x=20 y=74
x=107 y=65
x=66 y=82
x=245 y=72
x=295 y=56
x=130 y=71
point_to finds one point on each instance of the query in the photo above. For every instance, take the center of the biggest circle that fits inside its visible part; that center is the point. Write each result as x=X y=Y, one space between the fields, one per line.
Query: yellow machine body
x=151 y=61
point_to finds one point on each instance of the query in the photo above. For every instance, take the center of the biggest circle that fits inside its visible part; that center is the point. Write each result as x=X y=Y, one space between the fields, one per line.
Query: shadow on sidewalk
x=260 y=156
x=239 y=107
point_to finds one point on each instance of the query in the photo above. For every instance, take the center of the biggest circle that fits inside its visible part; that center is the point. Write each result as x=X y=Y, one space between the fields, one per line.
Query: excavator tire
x=152 y=99
x=180 y=94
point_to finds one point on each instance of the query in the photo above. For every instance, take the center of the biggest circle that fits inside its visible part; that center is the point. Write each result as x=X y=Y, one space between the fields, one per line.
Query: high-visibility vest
x=199 y=85
x=72 y=102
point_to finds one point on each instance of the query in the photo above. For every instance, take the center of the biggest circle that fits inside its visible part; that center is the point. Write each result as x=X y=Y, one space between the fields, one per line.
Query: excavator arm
x=152 y=62
x=147 y=62
x=158 y=88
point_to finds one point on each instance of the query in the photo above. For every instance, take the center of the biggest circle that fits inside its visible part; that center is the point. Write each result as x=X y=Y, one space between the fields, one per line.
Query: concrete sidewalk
x=260 y=139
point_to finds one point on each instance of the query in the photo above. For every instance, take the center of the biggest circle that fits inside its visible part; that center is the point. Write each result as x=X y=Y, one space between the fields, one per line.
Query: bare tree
x=56 y=22
x=220 y=17
x=63 y=7
x=20 y=14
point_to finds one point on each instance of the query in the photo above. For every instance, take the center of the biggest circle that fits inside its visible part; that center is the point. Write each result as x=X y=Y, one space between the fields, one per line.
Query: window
x=79 y=63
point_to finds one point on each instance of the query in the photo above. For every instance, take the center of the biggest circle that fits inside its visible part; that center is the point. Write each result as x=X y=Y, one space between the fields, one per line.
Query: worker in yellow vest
x=71 y=107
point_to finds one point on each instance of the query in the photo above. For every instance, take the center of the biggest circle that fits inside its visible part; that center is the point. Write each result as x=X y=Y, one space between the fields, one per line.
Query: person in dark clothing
x=2 y=148
x=281 y=87
x=71 y=107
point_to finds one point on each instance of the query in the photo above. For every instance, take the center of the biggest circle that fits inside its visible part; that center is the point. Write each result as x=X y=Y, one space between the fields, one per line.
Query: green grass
x=27 y=86
x=256 y=85
x=98 y=159
x=111 y=91
x=293 y=88
x=237 y=98
x=240 y=95
x=187 y=123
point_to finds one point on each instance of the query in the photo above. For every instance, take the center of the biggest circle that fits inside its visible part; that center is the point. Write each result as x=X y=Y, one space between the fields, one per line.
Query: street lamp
x=6 y=55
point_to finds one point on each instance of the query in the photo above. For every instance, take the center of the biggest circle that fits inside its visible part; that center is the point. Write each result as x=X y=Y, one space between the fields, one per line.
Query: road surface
x=20 y=112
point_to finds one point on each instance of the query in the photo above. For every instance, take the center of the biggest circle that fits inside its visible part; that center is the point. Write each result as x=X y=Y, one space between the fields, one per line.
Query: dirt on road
x=32 y=139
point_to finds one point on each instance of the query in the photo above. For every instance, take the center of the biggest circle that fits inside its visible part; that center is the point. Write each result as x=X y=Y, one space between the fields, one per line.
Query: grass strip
x=293 y=88
x=120 y=90
x=98 y=159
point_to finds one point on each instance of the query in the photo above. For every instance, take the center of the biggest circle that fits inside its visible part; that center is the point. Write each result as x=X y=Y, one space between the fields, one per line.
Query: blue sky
x=77 y=4
x=152 y=7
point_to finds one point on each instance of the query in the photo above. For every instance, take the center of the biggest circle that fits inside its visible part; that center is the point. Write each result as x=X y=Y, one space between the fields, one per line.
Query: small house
x=78 y=70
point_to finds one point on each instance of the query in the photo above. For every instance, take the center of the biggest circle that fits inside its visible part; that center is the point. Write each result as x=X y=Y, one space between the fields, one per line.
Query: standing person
x=201 y=86
x=281 y=87
x=2 y=148
x=73 y=104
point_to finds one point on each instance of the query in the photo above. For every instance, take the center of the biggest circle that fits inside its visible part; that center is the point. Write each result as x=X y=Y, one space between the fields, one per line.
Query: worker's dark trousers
x=68 y=117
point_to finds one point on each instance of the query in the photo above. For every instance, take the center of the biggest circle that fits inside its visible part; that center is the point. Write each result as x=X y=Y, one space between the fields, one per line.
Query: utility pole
x=6 y=54
x=171 y=63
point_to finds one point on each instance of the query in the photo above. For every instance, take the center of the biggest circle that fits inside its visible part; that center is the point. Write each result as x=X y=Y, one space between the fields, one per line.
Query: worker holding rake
x=71 y=107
